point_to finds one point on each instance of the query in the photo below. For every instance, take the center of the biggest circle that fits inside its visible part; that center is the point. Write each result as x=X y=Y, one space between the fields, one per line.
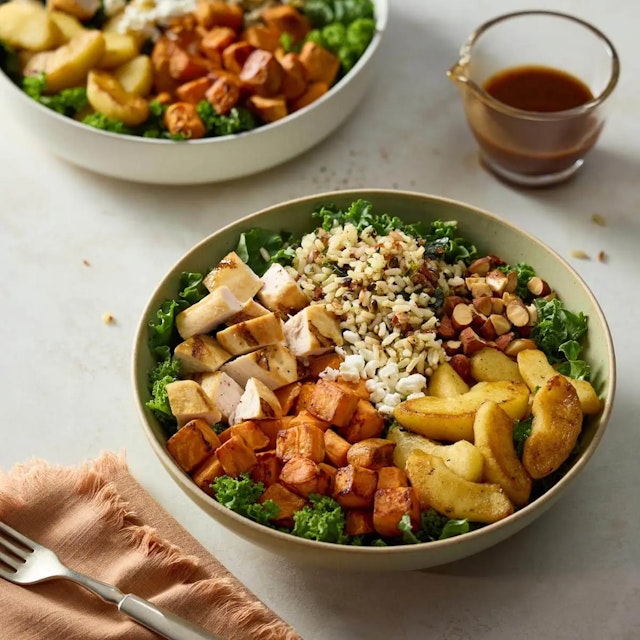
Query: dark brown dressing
x=537 y=88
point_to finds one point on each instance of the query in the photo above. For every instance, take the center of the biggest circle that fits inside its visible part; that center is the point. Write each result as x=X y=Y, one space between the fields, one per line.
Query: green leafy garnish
x=67 y=102
x=9 y=60
x=241 y=494
x=322 y=519
x=237 y=120
x=558 y=333
x=521 y=431
x=433 y=526
x=160 y=376
x=104 y=123
x=161 y=329
x=323 y=12
x=442 y=242
x=260 y=248
x=191 y=288
x=524 y=272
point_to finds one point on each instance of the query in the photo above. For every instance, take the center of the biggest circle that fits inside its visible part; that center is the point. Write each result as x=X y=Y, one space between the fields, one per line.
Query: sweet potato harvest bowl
x=491 y=236
x=288 y=122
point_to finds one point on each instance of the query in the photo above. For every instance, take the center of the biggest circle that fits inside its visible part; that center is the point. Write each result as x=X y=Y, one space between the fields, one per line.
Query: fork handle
x=162 y=622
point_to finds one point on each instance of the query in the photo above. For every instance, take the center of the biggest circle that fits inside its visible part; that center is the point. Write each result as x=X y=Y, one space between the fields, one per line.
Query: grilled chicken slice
x=208 y=313
x=312 y=331
x=200 y=353
x=257 y=402
x=250 y=309
x=243 y=337
x=233 y=273
x=224 y=392
x=280 y=292
x=274 y=365
x=188 y=401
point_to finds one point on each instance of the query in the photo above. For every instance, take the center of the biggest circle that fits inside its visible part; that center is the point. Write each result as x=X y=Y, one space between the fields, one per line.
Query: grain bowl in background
x=249 y=120
x=398 y=393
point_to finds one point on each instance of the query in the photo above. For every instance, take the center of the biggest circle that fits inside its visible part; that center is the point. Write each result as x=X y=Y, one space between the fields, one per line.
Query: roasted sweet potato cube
x=330 y=471
x=235 y=55
x=304 y=397
x=288 y=395
x=262 y=37
x=358 y=522
x=359 y=387
x=236 y=456
x=286 y=19
x=366 y=422
x=262 y=73
x=268 y=109
x=287 y=501
x=336 y=448
x=392 y=477
x=313 y=91
x=223 y=94
x=271 y=426
x=354 y=487
x=306 y=441
x=318 y=364
x=192 y=444
x=251 y=433
x=184 y=66
x=304 y=477
x=219 y=14
x=206 y=473
x=390 y=505
x=182 y=118
x=372 y=453
x=321 y=65
x=332 y=403
x=225 y=435
x=294 y=81
x=216 y=40
x=306 y=417
x=267 y=468
x=193 y=91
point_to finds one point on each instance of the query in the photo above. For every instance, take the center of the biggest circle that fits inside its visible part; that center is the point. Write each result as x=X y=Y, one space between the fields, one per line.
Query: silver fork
x=24 y=561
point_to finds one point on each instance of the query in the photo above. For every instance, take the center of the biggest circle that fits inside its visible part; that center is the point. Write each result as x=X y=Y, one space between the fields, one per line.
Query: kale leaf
x=521 y=431
x=524 y=272
x=236 y=121
x=67 y=102
x=558 y=333
x=260 y=248
x=322 y=519
x=160 y=376
x=241 y=494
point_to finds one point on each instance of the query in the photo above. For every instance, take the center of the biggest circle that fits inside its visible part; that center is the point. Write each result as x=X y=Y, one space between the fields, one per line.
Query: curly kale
x=322 y=519
x=67 y=102
x=160 y=376
x=524 y=272
x=558 y=333
x=241 y=494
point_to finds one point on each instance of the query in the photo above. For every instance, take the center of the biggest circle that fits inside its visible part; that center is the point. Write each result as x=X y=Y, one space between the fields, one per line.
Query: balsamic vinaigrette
x=538 y=88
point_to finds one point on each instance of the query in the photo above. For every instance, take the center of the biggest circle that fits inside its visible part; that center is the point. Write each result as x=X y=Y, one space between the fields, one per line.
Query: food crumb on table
x=580 y=254
x=108 y=318
x=596 y=218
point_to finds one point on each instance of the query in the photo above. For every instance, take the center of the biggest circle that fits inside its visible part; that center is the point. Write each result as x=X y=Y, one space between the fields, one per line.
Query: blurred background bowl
x=201 y=161
x=491 y=235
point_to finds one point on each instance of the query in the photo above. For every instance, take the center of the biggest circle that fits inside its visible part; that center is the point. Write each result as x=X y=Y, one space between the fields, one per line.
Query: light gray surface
x=66 y=392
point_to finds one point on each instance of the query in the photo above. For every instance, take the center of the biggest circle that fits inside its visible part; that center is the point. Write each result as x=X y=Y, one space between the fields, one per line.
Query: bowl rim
x=505 y=526
x=381 y=17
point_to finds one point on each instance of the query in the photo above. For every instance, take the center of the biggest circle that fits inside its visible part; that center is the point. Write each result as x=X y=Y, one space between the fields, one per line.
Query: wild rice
x=383 y=290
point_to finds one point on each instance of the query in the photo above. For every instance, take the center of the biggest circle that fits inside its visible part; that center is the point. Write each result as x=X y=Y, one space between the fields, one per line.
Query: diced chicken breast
x=200 y=353
x=208 y=313
x=243 y=337
x=233 y=273
x=224 y=392
x=257 y=402
x=280 y=292
x=312 y=331
x=250 y=309
x=274 y=365
x=188 y=401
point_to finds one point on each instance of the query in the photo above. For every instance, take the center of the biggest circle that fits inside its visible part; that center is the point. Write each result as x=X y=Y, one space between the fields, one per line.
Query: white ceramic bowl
x=491 y=235
x=199 y=161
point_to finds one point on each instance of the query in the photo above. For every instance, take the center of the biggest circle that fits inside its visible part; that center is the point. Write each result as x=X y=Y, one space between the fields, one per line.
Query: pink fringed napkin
x=100 y=521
